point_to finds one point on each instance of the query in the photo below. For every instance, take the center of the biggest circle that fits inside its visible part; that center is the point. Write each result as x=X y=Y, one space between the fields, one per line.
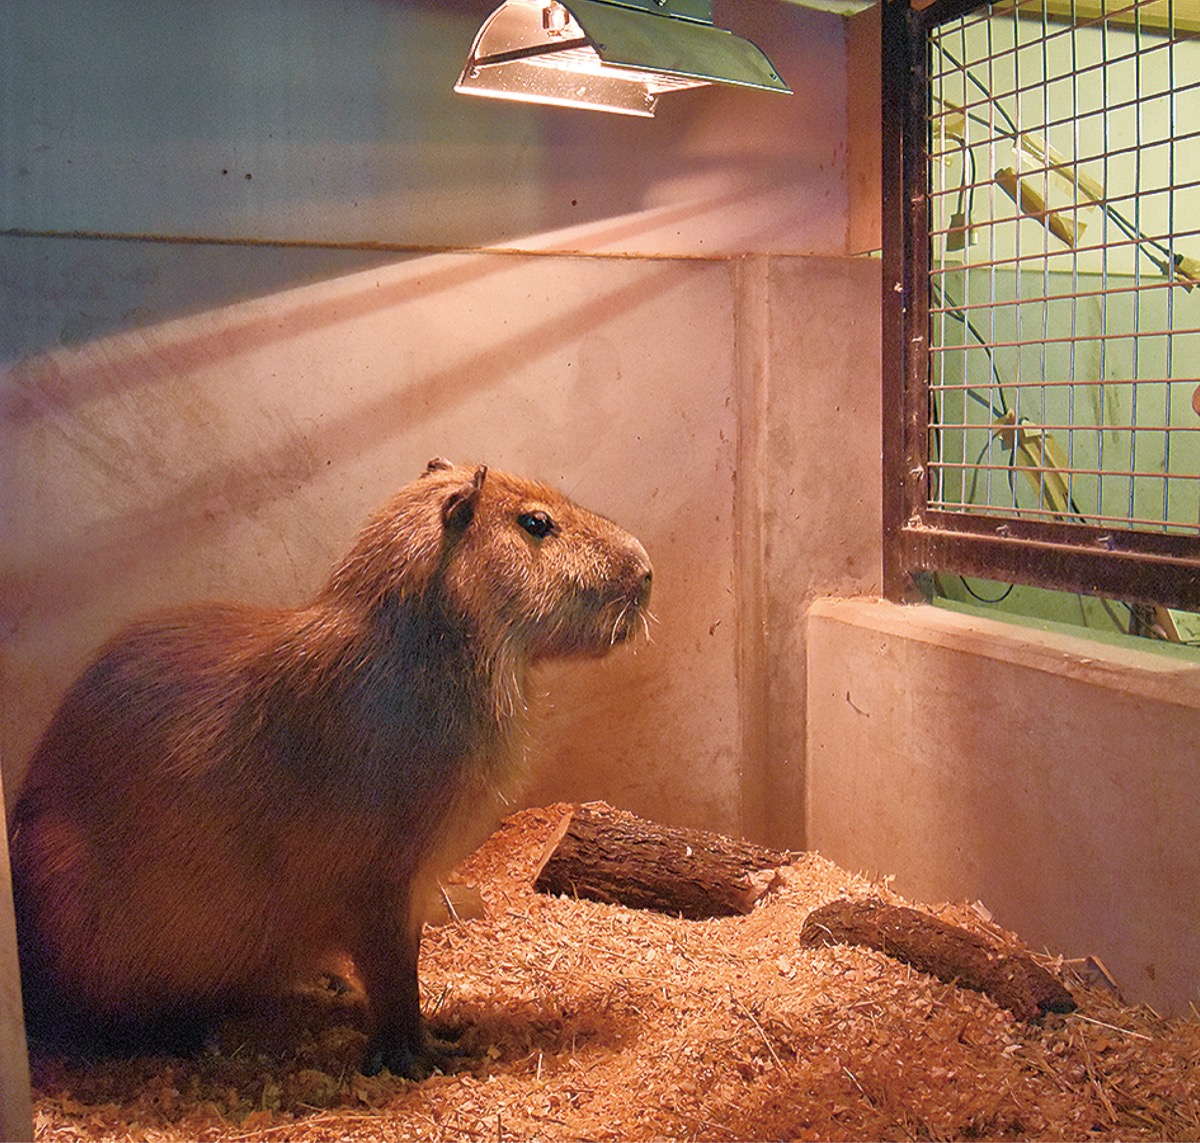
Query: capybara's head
x=531 y=573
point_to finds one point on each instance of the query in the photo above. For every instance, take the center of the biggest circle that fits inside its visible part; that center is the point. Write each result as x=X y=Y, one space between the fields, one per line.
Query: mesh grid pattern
x=1064 y=274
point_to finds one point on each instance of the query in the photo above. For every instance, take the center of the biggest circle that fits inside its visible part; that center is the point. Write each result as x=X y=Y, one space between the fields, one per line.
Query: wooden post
x=16 y=1108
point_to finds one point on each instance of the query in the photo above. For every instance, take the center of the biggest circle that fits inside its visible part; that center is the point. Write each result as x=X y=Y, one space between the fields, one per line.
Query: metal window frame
x=1137 y=566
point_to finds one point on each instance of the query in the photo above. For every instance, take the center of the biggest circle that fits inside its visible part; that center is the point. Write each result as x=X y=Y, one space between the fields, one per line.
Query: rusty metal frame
x=1137 y=566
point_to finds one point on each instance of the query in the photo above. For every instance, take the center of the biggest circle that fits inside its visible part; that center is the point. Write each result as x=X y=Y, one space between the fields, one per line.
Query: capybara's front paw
x=402 y=1060
x=410 y=1057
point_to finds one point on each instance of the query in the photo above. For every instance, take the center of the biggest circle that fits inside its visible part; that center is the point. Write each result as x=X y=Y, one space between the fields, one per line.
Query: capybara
x=230 y=794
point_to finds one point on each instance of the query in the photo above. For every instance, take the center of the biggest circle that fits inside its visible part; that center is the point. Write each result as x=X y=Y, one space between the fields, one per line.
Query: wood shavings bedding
x=587 y=1021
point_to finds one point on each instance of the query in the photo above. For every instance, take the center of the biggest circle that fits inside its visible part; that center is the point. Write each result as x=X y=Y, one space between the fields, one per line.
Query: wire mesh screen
x=1064 y=226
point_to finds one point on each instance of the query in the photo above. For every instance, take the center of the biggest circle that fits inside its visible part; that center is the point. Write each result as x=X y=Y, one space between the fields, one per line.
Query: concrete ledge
x=1053 y=777
x=1122 y=663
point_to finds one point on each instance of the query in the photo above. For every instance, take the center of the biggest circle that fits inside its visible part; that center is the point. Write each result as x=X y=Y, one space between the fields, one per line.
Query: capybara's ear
x=458 y=509
x=437 y=464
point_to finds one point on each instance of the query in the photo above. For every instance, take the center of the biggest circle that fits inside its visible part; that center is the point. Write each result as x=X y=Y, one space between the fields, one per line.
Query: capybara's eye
x=537 y=524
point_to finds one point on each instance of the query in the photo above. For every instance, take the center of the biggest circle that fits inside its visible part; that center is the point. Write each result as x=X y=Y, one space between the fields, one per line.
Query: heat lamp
x=608 y=55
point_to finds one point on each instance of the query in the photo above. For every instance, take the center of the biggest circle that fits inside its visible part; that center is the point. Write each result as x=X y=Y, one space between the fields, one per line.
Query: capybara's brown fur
x=230 y=794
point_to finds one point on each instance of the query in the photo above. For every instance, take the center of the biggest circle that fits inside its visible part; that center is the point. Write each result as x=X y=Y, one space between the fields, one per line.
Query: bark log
x=1012 y=979
x=609 y=855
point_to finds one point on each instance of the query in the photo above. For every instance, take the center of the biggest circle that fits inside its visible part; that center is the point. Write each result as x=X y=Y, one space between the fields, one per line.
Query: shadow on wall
x=63 y=293
x=137 y=417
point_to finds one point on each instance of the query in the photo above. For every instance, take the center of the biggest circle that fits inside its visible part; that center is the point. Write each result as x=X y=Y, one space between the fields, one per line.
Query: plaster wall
x=1049 y=775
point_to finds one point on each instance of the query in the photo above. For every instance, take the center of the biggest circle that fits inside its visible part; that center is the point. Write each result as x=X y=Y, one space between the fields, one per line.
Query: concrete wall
x=258 y=263
x=306 y=121
x=708 y=406
x=232 y=454
x=256 y=271
x=1050 y=775
x=809 y=486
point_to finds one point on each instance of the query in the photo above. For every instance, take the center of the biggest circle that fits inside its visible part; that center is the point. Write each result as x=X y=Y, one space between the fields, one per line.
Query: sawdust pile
x=588 y=1021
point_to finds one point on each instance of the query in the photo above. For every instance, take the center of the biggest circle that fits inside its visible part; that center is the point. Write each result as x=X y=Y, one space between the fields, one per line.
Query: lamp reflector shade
x=605 y=56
